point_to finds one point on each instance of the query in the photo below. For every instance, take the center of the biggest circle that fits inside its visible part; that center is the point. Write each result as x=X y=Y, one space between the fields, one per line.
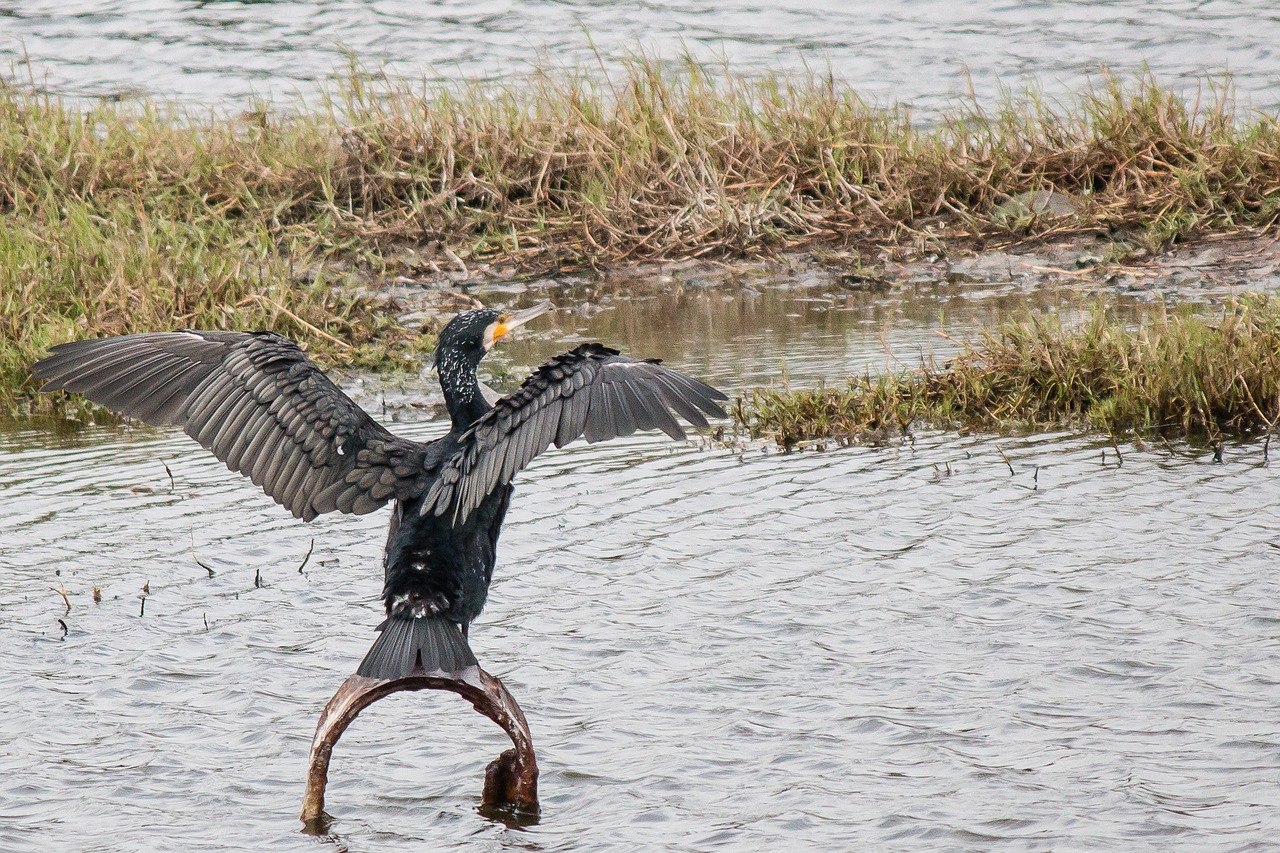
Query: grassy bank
x=1179 y=375
x=131 y=217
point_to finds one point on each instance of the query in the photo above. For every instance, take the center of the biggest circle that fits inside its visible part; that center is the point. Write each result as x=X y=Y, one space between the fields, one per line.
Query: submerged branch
x=511 y=780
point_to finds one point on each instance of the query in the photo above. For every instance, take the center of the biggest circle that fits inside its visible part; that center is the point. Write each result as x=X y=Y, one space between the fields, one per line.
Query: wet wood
x=511 y=780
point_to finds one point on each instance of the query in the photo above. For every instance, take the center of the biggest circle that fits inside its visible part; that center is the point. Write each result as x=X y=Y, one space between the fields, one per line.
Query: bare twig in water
x=257 y=579
x=1000 y=450
x=200 y=562
x=65 y=631
x=65 y=600
x=307 y=558
x=170 y=473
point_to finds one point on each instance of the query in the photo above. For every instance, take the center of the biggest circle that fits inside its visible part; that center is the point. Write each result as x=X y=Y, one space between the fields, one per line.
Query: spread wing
x=258 y=403
x=590 y=391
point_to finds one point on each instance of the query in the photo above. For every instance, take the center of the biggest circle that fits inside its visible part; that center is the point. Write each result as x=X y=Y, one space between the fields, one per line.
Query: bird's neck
x=461 y=388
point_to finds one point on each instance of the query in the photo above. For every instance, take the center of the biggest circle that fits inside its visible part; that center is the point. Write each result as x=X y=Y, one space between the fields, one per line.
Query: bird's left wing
x=258 y=403
x=590 y=391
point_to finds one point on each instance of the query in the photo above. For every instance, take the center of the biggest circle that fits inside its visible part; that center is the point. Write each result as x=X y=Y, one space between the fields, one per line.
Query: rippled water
x=905 y=648
x=915 y=52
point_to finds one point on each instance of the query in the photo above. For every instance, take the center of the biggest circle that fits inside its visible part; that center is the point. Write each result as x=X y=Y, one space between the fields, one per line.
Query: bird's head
x=471 y=334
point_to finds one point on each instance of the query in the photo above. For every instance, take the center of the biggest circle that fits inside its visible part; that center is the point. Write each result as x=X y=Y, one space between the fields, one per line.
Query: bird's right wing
x=590 y=391
x=258 y=403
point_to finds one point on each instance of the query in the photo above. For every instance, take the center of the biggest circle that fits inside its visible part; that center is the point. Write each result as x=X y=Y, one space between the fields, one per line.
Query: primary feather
x=258 y=404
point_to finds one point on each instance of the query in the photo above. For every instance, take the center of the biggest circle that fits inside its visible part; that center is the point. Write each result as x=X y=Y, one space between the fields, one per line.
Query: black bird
x=258 y=403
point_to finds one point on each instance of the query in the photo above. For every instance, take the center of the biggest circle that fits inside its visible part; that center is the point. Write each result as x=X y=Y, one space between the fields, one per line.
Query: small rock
x=1035 y=204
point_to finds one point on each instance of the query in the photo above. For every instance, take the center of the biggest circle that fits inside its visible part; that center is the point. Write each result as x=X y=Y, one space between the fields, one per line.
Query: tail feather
x=423 y=645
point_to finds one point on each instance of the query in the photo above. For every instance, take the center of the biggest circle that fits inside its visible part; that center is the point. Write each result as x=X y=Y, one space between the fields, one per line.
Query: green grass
x=136 y=216
x=1178 y=374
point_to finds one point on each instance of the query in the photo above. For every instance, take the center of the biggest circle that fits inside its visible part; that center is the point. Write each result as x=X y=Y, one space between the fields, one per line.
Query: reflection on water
x=750 y=329
x=901 y=647
x=916 y=52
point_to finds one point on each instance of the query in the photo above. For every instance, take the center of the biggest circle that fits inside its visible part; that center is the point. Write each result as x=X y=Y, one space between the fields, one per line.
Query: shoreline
x=125 y=218
x=1213 y=271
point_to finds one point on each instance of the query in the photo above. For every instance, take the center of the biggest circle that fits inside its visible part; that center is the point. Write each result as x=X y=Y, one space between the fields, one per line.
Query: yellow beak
x=508 y=323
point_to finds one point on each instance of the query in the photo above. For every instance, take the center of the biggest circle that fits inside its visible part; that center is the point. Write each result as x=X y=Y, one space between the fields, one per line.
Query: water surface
x=901 y=648
x=923 y=52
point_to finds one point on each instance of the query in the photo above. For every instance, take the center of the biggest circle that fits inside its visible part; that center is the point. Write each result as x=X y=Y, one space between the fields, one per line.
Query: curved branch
x=511 y=780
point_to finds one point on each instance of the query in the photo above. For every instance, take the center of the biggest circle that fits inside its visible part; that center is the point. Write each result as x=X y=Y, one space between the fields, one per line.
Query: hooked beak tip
x=519 y=318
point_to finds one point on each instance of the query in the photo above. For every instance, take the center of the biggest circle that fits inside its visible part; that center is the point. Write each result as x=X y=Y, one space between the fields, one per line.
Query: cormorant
x=262 y=407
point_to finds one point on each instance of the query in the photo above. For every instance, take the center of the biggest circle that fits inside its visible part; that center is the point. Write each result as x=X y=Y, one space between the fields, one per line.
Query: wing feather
x=631 y=408
x=258 y=403
x=166 y=398
x=592 y=392
x=573 y=418
x=685 y=400
x=598 y=414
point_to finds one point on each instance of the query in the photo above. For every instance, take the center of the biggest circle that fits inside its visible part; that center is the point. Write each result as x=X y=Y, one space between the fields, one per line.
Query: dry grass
x=1180 y=374
x=130 y=217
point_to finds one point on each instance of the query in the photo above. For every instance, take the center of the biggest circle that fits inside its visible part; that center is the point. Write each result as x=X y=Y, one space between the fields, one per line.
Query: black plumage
x=590 y=391
x=259 y=404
